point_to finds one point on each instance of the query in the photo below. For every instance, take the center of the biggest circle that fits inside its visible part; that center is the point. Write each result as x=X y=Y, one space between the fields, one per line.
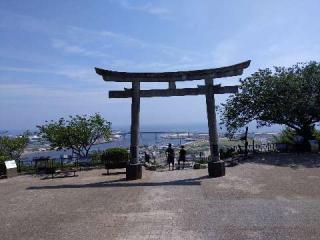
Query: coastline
x=147 y=141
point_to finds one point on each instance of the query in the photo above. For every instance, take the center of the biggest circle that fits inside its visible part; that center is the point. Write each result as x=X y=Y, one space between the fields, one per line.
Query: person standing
x=170 y=156
x=182 y=156
x=146 y=157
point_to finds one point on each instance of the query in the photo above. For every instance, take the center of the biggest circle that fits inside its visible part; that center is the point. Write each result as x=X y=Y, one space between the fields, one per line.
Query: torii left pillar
x=134 y=168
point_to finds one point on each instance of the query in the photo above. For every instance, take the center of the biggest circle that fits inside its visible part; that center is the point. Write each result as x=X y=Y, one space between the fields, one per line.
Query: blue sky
x=48 y=51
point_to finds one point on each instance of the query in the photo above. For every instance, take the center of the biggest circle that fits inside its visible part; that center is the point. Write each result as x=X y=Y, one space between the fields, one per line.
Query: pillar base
x=133 y=171
x=216 y=169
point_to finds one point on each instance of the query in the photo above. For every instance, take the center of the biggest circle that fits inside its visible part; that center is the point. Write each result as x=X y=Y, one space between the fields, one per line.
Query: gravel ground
x=267 y=197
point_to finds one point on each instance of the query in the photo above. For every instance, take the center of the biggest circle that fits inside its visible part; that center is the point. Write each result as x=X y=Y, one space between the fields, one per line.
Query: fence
x=38 y=165
x=256 y=148
x=47 y=164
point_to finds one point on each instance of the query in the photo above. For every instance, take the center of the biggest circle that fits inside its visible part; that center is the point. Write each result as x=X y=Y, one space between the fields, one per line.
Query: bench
x=84 y=165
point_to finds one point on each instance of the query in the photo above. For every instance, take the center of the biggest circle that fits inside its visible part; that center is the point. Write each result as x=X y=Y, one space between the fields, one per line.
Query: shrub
x=96 y=157
x=286 y=137
x=3 y=169
x=226 y=153
x=196 y=166
x=199 y=166
x=115 y=157
x=289 y=138
x=202 y=160
x=316 y=135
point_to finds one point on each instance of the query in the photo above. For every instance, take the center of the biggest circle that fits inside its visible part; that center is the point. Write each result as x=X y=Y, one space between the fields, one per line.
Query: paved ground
x=265 y=198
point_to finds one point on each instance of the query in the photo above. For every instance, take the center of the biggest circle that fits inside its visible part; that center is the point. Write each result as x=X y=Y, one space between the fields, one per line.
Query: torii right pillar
x=216 y=167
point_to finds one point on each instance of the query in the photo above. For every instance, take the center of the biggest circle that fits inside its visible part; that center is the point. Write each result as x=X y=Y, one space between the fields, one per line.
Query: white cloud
x=225 y=52
x=10 y=20
x=149 y=8
x=278 y=54
x=171 y=58
x=23 y=69
x=30 y=90
x=89 y=35
x=39 y=91
x=74 y=72
x=100 y=43
x=75 y=49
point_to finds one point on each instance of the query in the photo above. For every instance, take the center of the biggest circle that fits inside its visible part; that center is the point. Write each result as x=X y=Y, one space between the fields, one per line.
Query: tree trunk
x=307 y=133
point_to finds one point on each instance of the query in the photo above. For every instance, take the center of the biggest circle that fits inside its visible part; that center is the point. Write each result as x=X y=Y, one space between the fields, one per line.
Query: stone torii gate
x=216 y=167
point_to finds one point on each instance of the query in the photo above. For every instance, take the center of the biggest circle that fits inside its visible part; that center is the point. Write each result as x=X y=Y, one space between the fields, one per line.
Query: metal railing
x=255 y=148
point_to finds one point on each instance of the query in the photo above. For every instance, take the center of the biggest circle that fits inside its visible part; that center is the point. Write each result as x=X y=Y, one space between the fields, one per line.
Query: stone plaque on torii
x=216 y=167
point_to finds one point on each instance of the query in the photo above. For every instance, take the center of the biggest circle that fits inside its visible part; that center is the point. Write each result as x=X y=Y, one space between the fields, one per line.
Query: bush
x=199 y=166
x=202 y=160
x=288 y=141
x=226 y=153
x=196 y=166
x=286 y=137
x=96 y=158
x=316 y=135
x=3 y=169
x=115 y=157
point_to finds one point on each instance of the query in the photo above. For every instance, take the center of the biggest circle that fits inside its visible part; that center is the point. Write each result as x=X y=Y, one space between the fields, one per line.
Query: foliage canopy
x=78 y=133
x=115 y=154
x=12 y=148
x=286 y=96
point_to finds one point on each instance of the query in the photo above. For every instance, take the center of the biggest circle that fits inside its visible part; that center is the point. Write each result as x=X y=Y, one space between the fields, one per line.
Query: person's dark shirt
x=170 y=152
x=147 y=157
x=182 y=154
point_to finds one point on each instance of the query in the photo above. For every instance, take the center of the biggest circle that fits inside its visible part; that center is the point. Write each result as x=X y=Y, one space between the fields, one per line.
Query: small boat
x=115 y=136
x=189 y=139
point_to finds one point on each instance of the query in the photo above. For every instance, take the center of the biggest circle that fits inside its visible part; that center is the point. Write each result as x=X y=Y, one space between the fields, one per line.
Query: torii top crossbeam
x=228 y=71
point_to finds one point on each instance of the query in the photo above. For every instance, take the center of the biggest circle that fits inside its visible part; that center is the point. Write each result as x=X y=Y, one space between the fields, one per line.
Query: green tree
x=12 y=148
x=286 y=96
x=78 y=133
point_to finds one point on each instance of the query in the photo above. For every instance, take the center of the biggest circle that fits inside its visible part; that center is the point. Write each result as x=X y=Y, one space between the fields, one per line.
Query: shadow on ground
x=123 y=183
x=113 y=173
x=292 y=160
